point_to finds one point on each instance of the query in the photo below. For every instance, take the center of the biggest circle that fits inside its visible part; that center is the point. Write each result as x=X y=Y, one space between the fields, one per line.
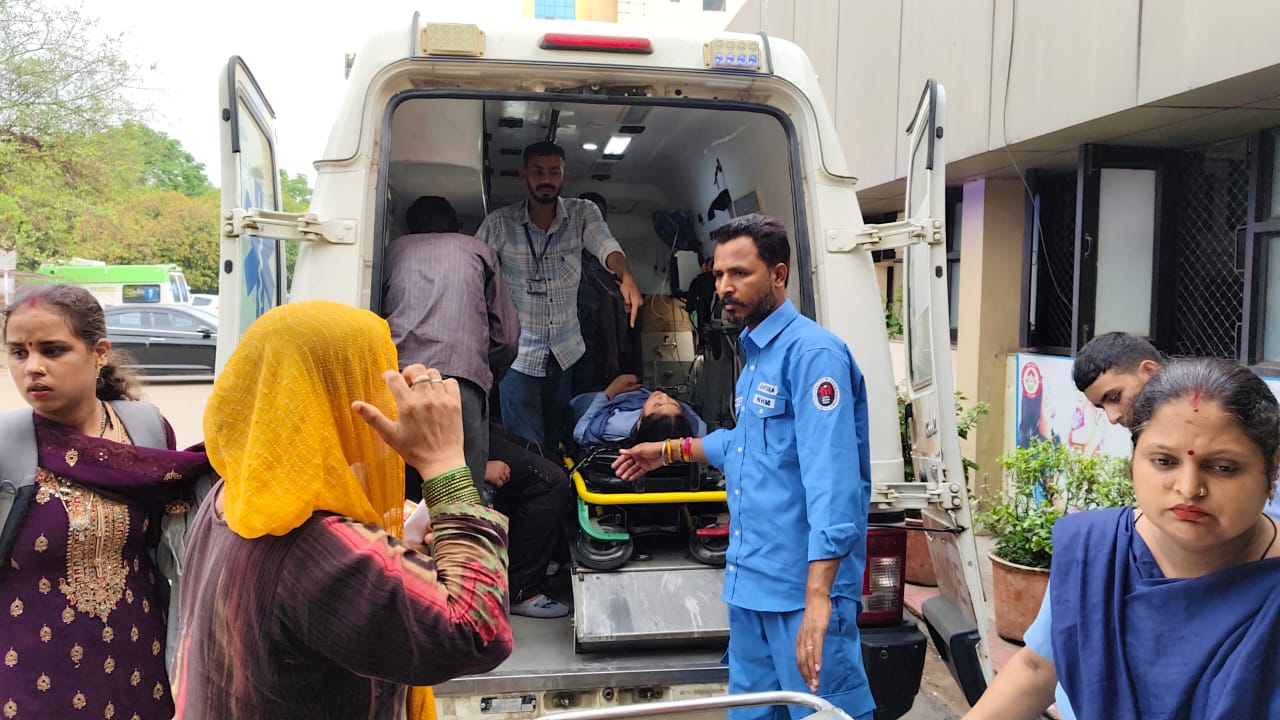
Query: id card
x=536 y=286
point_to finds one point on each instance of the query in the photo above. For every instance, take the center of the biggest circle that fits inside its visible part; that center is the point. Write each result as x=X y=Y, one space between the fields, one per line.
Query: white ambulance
x=701 y=126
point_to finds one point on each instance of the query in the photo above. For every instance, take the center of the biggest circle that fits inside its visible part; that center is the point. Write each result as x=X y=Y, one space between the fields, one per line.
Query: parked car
x=164 y=339
x=205 y=301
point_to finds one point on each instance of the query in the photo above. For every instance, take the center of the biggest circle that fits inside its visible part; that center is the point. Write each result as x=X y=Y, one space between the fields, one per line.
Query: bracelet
x=686 y=449
x=666 y=452
x=452 y=486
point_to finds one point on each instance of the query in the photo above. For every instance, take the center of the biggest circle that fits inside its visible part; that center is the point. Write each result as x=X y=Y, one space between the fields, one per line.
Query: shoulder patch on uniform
x=826 y=394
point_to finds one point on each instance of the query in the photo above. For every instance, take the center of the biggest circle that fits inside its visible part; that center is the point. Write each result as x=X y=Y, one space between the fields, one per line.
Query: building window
x=1260 y=258
x=554 y=9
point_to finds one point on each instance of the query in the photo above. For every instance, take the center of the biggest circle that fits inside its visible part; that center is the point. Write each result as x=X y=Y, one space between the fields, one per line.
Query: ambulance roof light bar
x=732 y=54
x=465 y=39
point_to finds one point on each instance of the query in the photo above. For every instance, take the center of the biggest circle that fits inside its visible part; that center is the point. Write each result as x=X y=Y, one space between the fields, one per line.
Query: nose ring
x=1203 y=491
x=41 y=371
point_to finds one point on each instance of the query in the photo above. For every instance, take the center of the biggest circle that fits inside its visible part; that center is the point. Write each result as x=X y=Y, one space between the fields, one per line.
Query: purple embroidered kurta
x=85 y=627
x=82 y=626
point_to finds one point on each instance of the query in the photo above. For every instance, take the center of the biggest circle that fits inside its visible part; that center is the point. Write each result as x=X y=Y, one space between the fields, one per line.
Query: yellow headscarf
x=280 y=430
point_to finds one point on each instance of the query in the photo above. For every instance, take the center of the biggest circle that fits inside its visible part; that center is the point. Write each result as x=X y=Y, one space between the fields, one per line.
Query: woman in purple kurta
x=84 y=631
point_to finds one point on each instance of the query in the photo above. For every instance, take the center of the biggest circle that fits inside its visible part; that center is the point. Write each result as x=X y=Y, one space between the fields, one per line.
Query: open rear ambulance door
x=251 y=266
x=956 y=618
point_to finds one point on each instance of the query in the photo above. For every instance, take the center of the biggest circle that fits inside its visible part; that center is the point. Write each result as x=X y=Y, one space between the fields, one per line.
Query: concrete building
x=1114 y=166
x=711 y=13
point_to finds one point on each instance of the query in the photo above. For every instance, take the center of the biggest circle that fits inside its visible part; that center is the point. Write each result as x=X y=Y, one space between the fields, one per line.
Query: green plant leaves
x=1046 y=481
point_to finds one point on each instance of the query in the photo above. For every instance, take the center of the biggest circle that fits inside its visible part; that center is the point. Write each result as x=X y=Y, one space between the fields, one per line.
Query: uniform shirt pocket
x=777 y=424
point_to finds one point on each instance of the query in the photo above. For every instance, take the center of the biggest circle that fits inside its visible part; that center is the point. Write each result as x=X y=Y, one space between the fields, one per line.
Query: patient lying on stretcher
x=627 y=411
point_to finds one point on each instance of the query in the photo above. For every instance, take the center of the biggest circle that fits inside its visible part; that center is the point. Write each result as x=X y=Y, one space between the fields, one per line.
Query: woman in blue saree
x=1170 y=609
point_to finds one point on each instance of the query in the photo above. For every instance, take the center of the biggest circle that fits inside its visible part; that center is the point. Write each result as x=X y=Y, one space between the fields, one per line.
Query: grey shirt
x=449 y=308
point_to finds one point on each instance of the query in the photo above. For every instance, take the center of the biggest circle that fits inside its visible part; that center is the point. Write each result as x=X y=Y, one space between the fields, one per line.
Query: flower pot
x=1018 y=591
x=919 y=569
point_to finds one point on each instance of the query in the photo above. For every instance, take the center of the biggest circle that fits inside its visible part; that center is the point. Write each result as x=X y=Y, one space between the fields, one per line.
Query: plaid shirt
x=542 y=271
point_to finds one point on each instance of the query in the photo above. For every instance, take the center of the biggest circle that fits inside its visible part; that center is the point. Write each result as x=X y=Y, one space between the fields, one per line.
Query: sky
x=295 y=50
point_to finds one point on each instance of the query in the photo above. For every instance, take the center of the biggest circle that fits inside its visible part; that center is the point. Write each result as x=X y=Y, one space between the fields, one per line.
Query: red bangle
x=686 y=449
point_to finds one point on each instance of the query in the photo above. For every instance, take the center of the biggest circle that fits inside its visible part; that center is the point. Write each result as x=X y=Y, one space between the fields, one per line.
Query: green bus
x=124 y=284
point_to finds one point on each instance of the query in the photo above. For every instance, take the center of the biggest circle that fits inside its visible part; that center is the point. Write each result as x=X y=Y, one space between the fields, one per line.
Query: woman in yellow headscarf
x=298 y=599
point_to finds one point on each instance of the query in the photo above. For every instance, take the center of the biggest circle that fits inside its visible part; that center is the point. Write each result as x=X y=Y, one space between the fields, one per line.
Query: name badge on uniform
x=536 y=286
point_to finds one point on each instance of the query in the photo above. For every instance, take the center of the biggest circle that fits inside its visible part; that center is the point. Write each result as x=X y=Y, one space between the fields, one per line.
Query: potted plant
x=1046 y=481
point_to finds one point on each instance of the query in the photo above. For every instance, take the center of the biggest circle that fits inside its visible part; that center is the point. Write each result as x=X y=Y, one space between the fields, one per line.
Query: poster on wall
x=1049 y=406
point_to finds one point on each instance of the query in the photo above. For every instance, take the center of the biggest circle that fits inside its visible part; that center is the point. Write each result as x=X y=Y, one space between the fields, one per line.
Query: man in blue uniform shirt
x=797 y=470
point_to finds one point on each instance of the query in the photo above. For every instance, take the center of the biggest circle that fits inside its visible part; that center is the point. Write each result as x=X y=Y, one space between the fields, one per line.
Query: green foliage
x=295 y=196
x=295 y=192
x=1048 y=480
x=162 y=163
x=893 y=317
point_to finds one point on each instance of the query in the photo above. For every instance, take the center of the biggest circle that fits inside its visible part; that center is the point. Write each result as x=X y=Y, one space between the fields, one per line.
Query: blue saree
x=1130 y=643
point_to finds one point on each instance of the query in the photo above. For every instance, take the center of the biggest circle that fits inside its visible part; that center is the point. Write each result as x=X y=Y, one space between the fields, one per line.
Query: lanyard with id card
x=536 y=285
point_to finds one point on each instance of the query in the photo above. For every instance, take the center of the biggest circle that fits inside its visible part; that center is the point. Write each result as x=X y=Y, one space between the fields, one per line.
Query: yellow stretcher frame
x=655 y=498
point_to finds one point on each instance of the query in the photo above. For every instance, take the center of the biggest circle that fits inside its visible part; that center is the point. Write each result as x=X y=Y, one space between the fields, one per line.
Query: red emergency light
x=596 y=43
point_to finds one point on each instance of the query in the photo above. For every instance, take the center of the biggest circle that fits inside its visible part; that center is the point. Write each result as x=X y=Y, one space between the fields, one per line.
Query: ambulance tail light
x=882 y=579
x=596 y=43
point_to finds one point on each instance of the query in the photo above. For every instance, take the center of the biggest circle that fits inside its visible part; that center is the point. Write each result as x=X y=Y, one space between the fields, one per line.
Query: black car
x=164 y=339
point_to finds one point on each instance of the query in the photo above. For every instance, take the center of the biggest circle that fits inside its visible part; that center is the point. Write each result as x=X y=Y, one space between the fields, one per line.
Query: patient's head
x=661 y=418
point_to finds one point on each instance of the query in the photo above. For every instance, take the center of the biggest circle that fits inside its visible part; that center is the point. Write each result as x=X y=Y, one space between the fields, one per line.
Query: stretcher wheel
x=709 y=549
x=602 y=554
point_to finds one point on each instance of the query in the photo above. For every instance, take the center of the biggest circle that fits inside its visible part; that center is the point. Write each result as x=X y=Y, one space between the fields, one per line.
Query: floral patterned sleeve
x=360 y=597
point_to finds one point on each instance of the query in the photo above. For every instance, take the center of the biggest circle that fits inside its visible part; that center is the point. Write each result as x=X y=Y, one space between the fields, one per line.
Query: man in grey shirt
x=448 y=308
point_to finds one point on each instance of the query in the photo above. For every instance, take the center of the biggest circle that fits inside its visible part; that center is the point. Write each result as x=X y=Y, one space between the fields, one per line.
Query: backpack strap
x=143 y=422
x=17 y=475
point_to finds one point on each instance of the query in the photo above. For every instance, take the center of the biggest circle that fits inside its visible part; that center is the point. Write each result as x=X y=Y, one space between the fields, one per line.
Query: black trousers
x=534 y=500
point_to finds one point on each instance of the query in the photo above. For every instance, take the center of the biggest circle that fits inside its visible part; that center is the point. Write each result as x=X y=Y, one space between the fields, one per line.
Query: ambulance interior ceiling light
x=617 y=146
x=590 y=147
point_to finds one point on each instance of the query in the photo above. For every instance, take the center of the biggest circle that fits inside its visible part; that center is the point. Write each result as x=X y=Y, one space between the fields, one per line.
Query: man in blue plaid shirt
x=539 y=242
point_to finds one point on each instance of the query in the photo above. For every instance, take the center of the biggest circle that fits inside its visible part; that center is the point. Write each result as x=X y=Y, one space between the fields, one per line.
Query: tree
x=164 y=165
x=295 y=192
x=58 y=73
x=295 y=196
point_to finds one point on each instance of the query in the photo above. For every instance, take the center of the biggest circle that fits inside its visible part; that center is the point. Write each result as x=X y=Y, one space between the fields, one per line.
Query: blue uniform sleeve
x=580 y=430
x=715 y=445
x=830 y=404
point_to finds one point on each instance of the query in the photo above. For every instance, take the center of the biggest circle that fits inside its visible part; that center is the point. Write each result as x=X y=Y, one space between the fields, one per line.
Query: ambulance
x=679 y=131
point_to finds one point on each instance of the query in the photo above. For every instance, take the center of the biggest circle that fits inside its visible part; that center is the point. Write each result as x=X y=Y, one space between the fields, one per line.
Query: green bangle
x=452 y=486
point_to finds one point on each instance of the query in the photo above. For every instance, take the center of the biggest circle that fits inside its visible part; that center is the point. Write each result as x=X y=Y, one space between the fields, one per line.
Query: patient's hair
x=654 y=427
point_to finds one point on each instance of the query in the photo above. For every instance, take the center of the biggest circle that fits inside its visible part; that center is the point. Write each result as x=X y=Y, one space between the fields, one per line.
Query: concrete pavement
x=1001 y=650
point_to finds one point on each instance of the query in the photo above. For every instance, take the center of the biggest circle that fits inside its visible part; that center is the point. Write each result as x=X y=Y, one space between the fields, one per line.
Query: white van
x=704 y=126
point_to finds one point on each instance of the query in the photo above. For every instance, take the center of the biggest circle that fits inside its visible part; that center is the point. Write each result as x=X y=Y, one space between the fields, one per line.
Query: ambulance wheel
x=602 y=554
x=708 y=550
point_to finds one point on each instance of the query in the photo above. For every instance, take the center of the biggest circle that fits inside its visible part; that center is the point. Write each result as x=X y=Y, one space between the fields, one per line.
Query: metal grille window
x=1052 y=261
x=1209 y=243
